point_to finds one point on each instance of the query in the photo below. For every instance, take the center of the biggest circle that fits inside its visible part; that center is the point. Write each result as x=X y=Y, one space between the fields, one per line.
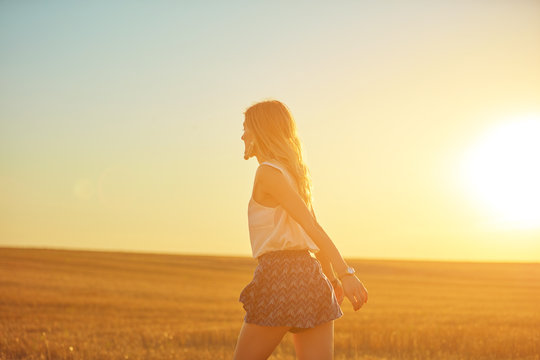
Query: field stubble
x=60 y=304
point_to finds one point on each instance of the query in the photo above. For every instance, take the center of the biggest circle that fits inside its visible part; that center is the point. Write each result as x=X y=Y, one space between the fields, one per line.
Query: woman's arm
x=326 y=265
x=274 y=183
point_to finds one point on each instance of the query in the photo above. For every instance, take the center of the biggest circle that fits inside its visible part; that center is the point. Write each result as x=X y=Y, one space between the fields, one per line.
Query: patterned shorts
x=289 y=289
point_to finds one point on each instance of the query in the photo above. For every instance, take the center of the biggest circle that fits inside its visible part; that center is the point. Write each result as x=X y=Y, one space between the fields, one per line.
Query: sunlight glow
x=502 y=170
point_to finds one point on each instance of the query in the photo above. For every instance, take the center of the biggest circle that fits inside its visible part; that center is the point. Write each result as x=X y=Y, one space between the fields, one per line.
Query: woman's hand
x=338 y=290
x=355 y=291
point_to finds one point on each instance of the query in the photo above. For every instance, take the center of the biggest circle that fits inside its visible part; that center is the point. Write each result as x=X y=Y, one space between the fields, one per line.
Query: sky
x=120 y=123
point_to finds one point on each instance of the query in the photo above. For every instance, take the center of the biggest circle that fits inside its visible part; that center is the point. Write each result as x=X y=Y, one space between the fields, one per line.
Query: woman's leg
x=258 y=342
x=316 y=343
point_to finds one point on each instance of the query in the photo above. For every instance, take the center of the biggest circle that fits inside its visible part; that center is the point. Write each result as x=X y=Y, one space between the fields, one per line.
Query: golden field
x=60 y=304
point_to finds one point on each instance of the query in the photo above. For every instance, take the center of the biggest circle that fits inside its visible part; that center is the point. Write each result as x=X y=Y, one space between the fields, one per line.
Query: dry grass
x=58 y=304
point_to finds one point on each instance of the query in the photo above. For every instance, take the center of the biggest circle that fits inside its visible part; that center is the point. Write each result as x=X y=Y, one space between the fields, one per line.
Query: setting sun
x=502 y=170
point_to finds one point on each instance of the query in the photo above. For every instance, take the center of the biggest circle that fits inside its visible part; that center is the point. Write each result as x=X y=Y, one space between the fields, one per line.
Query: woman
x=291 y=290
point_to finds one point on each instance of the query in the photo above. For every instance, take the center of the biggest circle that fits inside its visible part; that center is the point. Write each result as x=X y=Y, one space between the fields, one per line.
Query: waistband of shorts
x=284 y=254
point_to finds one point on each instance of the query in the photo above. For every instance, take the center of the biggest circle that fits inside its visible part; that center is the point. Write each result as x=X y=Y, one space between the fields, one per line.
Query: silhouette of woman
x=291 y=290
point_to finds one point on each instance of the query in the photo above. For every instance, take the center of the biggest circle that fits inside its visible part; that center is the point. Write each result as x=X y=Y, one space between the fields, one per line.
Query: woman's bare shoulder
x=267 y=172
x=272 y=179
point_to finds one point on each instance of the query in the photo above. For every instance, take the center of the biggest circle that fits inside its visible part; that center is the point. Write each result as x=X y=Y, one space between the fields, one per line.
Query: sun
x=502 y=171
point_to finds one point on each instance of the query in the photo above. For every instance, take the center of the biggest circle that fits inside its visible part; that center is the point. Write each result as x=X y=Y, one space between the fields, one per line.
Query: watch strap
x=349 y=271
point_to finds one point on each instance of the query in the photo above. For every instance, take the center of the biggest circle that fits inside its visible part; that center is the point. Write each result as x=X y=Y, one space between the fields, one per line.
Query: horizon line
x=198 y=254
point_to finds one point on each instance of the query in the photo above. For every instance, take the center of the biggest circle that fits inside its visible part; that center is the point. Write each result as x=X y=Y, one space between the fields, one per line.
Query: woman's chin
x=249 y=154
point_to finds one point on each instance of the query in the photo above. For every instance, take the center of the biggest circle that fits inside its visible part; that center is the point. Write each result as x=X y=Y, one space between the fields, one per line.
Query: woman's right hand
x=338 y=290
x=355 y=291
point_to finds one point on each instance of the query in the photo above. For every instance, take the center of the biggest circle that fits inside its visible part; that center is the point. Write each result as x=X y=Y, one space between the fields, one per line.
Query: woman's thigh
x=316 y=343
x=258 y=342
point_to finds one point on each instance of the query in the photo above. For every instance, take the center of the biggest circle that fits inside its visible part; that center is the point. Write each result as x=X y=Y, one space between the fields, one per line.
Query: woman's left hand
x=338 y=290
x=355 y=291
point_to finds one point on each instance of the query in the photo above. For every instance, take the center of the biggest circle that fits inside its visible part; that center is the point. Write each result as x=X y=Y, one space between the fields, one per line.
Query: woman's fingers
x=360 y=295
x=360 y=298
x=358 y=303
x=365 y=293
x=356 y=293
x=355 y=301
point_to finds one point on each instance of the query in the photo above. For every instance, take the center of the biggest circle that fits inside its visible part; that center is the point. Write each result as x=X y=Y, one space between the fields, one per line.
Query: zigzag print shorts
x=289 y=288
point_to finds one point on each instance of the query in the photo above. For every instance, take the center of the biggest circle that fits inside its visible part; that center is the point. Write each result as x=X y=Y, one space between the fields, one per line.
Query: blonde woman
x=291 y=290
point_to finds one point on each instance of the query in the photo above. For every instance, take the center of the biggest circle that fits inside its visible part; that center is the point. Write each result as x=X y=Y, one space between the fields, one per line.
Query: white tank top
x=272 y=228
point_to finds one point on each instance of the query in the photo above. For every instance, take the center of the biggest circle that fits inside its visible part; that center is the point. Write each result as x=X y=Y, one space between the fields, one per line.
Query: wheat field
x=64 y=304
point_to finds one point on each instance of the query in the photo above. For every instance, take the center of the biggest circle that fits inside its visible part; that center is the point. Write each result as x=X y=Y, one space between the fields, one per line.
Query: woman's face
x=249 y=143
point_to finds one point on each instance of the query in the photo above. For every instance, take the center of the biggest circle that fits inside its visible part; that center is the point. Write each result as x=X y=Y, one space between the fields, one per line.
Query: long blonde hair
x=276 y=138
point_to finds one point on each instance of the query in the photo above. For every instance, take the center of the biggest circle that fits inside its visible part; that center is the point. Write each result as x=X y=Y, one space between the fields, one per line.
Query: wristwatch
x=349 y=271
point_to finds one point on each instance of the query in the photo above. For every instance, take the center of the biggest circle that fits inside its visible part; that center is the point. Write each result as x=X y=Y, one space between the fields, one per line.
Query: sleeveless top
x=272 y=228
